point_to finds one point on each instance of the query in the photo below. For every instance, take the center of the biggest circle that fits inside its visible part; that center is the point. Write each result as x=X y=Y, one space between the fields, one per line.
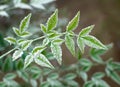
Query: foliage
x=7 y=5
x=28 y=53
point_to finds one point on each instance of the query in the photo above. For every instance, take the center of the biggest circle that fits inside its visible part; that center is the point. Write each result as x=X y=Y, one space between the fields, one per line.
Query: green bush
x=28 y=55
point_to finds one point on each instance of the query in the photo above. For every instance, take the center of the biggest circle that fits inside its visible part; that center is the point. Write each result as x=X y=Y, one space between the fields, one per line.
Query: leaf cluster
x=51 y=42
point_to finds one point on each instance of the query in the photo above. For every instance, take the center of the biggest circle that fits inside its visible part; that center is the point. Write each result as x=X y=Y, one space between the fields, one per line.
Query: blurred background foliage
x=103 y=13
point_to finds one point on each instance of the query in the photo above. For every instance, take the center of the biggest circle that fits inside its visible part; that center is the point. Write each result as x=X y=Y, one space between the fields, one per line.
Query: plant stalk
x=8 y=53
x=39 y=38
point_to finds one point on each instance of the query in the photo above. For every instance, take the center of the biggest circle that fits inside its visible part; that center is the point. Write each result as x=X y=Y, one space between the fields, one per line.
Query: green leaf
x=72 y=83
x=97 y=59
x=54 y=83
x=19 y=64
x=98 y=52
x=86 y=68
x=113 y=75
x=47 y=71
x=45 y=84
x=53 y=35
x=17 y=31
x=53 y=76
x=10 y=76
x=89 y=84
x=21 y=41
x=83 y=75
x=71 y=33
x=2 y=84
x=57 y=52
x=25 y=23
x=70 y=76
x=93 y=42
x=28 y=60
x=95 y=55
x=80 y=44
x=23 y=75
x=34 y=83
x=43 y=61
x=36 y=75
x=11 y=83
x=25 y=34
x=113 y=65
x=17 y=54
x=85 y=62
x=35 y=69
x=58 y=41
x=102 y=83
x=38 y=49
x=86 y=31
x=46 y=41
x=50 y=56
x=52 y=21
x=73 y=23
x=98 y=75
x=7 y=65
x=43 y=28
x=26 y=44
x=36 y=72
x=69 y=42
x=11 y=40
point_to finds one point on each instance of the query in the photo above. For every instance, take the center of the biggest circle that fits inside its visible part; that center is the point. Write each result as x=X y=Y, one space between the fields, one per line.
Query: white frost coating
x=17 y=54
x=57 y=52
x=28 y=60
x=26 y=44
x=43 y=61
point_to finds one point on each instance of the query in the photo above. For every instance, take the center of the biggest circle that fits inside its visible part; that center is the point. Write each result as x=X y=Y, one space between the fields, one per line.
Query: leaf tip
x=56 y=11
x=78 y=13
x=92 y=26
x=30 y=14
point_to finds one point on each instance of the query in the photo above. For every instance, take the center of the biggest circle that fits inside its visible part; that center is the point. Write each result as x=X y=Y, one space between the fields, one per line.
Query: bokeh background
x=105 y=14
